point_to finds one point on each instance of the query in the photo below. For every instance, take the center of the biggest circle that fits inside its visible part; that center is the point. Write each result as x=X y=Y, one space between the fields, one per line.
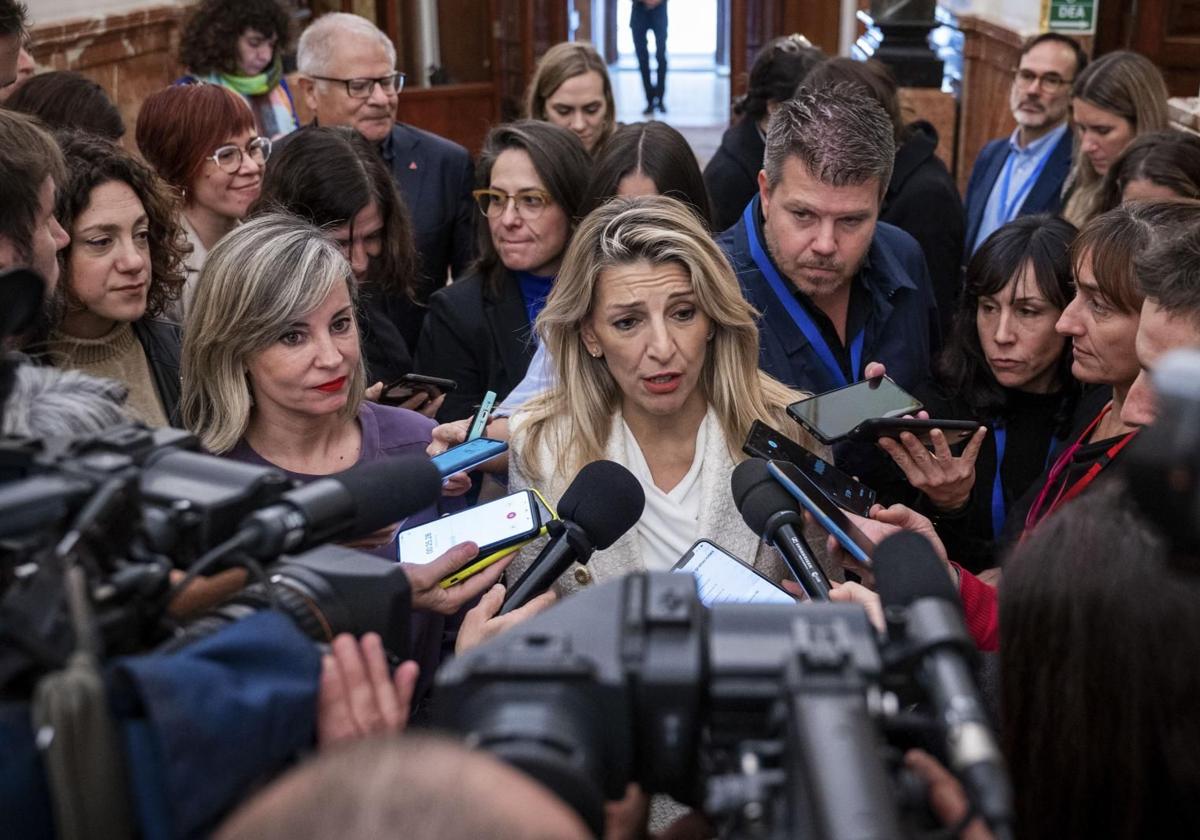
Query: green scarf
x=252 y=85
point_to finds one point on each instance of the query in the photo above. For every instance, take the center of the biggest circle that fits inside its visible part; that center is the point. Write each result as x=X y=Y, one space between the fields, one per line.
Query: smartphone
x=823 y=509
x=468 y=455
x=723 y=578
x=498 y=527
x=835 y=414
x=409 y=384
x=544 y=514
x=482 y=415
x=849 y=492
x=956 y=431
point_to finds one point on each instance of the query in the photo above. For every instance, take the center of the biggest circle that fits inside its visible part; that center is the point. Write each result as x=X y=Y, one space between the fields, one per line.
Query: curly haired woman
x=240 y=44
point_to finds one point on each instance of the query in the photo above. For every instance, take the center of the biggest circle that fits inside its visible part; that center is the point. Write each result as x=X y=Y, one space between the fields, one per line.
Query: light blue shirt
x=1025 y=166
x=539 y=376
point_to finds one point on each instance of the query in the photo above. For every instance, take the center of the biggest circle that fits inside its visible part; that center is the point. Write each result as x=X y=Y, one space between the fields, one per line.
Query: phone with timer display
x=499 y=528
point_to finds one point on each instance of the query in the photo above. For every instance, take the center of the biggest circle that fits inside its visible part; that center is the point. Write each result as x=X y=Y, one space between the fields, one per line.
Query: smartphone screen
x=834 y=414
x=723 y=578
x=467 y=455
x=828 y=514
x=853 y=495
x=490 y=526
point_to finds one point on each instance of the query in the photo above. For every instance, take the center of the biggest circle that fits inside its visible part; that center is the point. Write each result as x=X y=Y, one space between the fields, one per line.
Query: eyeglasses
x=529 y=203
x=229 y=158
x=1050 y=82
x=362 y=88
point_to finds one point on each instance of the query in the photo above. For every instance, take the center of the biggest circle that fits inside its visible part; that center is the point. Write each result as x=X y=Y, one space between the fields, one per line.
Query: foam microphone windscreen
x=758 y=495
x=388 y=490
x=605 y=500
x=907 y=568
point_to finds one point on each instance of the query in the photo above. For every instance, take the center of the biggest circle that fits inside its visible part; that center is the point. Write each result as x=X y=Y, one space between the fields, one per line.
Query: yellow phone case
x=482 y=563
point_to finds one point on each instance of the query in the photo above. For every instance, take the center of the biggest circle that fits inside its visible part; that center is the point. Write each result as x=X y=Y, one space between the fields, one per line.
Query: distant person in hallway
x=1118 y=98
x=921 y=198
x=571 y=88
x=1024 y=173
x=651 y=16
x=732 y=174
x=348 y=77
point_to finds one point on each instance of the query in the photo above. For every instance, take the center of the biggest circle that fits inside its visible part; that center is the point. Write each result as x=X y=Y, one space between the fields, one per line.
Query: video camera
x=776 y=720
x=127 y=508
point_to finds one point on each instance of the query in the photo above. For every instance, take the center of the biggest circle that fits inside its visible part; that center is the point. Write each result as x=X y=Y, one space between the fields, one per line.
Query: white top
x=539 y=377
x=671 y=520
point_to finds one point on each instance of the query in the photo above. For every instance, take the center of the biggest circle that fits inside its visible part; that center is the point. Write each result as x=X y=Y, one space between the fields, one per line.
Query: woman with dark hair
x=732 y=173
x=65 y=99
x=1117 y=98
x=202 y=141
x=478 y=331
x=334 y=179
x=1004 y=365
x=1099 y=672
x=240 y=44
x=648 y=158
x=122 y=268
x=922 y=198
x=1157 y=166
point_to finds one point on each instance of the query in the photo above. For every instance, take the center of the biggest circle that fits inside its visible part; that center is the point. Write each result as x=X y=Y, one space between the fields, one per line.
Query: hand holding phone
x=879 y=428
x=836 y=414
x=411 y=384
x=830 y=517
x=945 y=478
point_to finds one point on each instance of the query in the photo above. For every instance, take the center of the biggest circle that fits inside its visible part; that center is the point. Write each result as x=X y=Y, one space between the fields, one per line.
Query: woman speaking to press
x=656 y=363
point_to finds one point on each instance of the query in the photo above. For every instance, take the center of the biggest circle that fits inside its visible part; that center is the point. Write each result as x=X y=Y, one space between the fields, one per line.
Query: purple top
x=387 y=432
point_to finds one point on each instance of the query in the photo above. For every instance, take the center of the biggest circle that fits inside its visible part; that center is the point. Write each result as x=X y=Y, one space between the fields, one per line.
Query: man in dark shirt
x=835 y=287
x=349 y=78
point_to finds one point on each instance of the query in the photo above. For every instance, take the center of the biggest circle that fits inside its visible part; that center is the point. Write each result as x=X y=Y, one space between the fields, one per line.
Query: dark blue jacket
x=901 y=330
x=1045 y=197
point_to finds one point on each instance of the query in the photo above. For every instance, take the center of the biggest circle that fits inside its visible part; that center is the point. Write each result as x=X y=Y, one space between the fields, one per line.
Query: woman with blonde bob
x=656 y=360
x=571 y=88
x=273 y=376
x=1117 y=98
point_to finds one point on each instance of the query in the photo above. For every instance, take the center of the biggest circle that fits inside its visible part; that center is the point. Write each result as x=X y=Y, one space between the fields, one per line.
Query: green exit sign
x=1078 y=16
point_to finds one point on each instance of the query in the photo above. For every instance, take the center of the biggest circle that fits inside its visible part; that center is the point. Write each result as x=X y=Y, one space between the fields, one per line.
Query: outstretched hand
x=481 y=624
x=358 y=696
x=945 y=478
x=426 y=579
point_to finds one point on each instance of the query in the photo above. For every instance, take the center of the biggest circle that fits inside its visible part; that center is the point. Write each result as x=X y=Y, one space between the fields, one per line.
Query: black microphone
x=602 y=503
x=347 y=505
x=772 y=513
x=909 y=575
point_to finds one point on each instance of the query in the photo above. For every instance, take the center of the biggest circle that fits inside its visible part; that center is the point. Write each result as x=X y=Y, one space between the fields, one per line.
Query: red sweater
x=981 y=608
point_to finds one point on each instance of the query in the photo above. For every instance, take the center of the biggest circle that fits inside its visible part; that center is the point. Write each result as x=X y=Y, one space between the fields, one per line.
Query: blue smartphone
x=823 y=509
x=468 y=455
x=482 y=415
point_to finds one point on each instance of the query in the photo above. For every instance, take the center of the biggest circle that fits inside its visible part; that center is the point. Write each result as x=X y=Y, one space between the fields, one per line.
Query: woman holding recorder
x=273 y=375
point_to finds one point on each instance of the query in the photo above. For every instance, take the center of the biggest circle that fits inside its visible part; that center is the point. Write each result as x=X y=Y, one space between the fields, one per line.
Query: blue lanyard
x=1008 y=209
x=801 y=318
x=999 y=512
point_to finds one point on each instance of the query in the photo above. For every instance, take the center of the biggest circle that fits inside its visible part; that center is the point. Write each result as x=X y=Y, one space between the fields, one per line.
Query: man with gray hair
x=835 y=287
x=348 y=77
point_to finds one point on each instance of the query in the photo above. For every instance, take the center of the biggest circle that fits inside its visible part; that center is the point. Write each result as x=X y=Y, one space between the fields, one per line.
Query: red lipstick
x=332 y=386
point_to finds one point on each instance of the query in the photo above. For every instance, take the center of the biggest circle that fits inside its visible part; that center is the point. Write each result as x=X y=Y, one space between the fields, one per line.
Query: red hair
x=182 y=125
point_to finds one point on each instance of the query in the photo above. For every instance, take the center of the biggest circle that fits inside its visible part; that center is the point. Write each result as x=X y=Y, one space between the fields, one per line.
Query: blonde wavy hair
x=575 y=416
x=259 y=278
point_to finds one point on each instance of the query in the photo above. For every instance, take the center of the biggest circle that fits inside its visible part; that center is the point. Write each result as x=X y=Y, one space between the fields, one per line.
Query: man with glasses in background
x=1023 y=174
x=348 y=77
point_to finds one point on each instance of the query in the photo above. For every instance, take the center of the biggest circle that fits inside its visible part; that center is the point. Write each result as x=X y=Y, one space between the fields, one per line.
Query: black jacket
x=479 y=337
x=436 y=177
x=161 y=341
x=384 y=349
x=732 y=174
x=923 y=201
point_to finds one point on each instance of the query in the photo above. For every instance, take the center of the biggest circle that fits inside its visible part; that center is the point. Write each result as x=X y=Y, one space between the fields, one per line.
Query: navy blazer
x=901 y=329
x=1045 y=197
